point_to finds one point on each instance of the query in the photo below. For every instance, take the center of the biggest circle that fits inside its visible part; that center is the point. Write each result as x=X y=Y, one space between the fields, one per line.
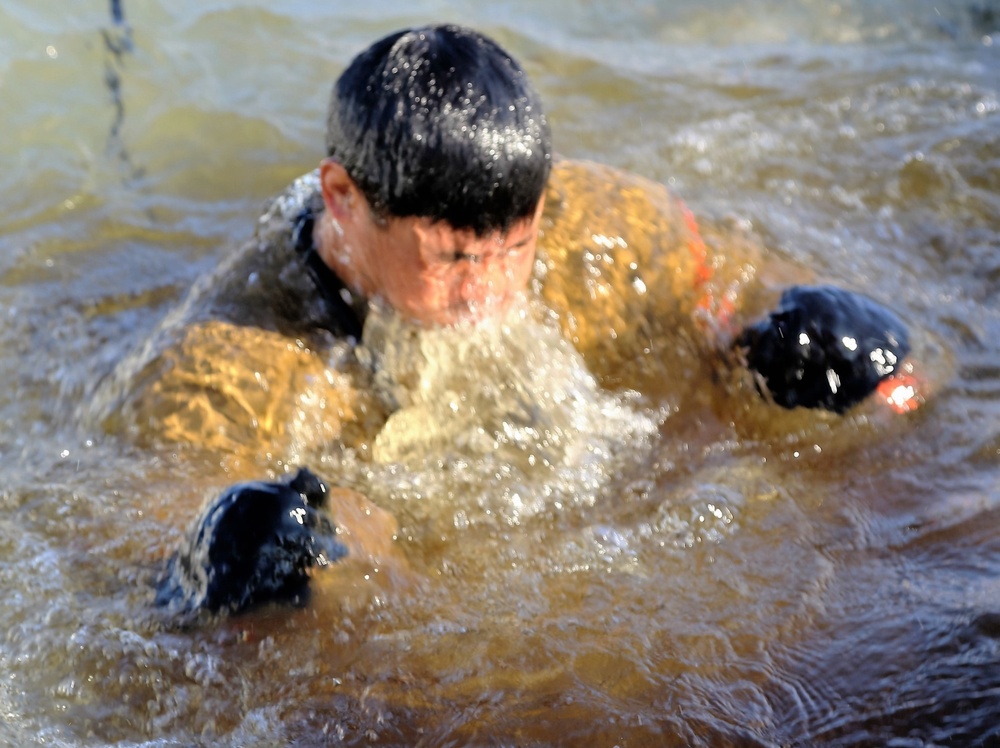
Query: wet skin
x=427 y=270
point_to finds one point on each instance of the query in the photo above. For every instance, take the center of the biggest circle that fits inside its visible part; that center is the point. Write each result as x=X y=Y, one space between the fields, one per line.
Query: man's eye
x=466 y=257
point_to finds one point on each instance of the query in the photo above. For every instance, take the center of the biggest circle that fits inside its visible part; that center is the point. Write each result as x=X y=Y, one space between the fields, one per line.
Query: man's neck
x=346 y=307
x=329 y=242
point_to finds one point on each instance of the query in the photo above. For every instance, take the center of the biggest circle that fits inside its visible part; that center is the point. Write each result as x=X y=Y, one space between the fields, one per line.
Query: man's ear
x=540 y=208
x=338 y=189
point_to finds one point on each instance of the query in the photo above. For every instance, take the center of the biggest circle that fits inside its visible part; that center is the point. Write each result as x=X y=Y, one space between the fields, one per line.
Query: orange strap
x=717 y=311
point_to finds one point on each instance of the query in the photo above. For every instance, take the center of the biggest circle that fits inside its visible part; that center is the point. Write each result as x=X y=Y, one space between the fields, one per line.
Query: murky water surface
x=679 y=566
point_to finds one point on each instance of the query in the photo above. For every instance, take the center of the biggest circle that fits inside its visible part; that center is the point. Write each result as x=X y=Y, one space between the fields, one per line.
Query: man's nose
x=479 y=281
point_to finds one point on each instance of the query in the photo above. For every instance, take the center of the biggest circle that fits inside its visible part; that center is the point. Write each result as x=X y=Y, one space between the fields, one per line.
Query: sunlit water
x=678 y=566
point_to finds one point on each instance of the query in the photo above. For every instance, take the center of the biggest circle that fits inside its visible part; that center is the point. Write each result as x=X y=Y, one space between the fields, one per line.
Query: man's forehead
x=444 y=234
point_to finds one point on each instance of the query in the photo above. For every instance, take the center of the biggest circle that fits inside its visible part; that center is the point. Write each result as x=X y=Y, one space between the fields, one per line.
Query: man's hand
x=256 y=542
x=824 y=347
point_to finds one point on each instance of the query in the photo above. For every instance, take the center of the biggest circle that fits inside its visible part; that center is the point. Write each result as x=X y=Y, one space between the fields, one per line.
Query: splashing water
x=741 y=577
x=510 y=398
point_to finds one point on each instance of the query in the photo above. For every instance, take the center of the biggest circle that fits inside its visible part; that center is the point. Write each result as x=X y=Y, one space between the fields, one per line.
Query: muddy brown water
x=729 y=575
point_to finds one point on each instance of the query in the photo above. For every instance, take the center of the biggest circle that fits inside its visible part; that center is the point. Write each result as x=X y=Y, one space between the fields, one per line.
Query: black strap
x=344 y=317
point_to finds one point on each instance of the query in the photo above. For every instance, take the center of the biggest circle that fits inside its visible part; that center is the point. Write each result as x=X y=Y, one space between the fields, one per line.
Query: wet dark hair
x=441 y=122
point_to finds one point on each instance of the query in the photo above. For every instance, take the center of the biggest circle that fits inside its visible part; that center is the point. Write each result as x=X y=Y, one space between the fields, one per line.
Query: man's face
x=437 y=275
x=428 y=271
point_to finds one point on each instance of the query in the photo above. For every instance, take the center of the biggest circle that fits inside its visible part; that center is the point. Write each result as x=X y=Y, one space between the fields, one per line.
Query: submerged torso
x=251 y=361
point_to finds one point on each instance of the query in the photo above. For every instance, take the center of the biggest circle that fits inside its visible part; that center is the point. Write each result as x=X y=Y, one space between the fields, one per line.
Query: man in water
x=438 y=188
x=439 y=185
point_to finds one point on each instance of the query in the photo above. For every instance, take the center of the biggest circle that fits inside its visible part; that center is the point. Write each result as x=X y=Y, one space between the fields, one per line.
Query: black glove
x=255 y=542
x=824 y=347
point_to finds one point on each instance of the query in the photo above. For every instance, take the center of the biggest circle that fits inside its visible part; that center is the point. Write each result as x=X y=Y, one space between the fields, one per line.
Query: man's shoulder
x=264 y=282
x=281 y=212
x=585 y=180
